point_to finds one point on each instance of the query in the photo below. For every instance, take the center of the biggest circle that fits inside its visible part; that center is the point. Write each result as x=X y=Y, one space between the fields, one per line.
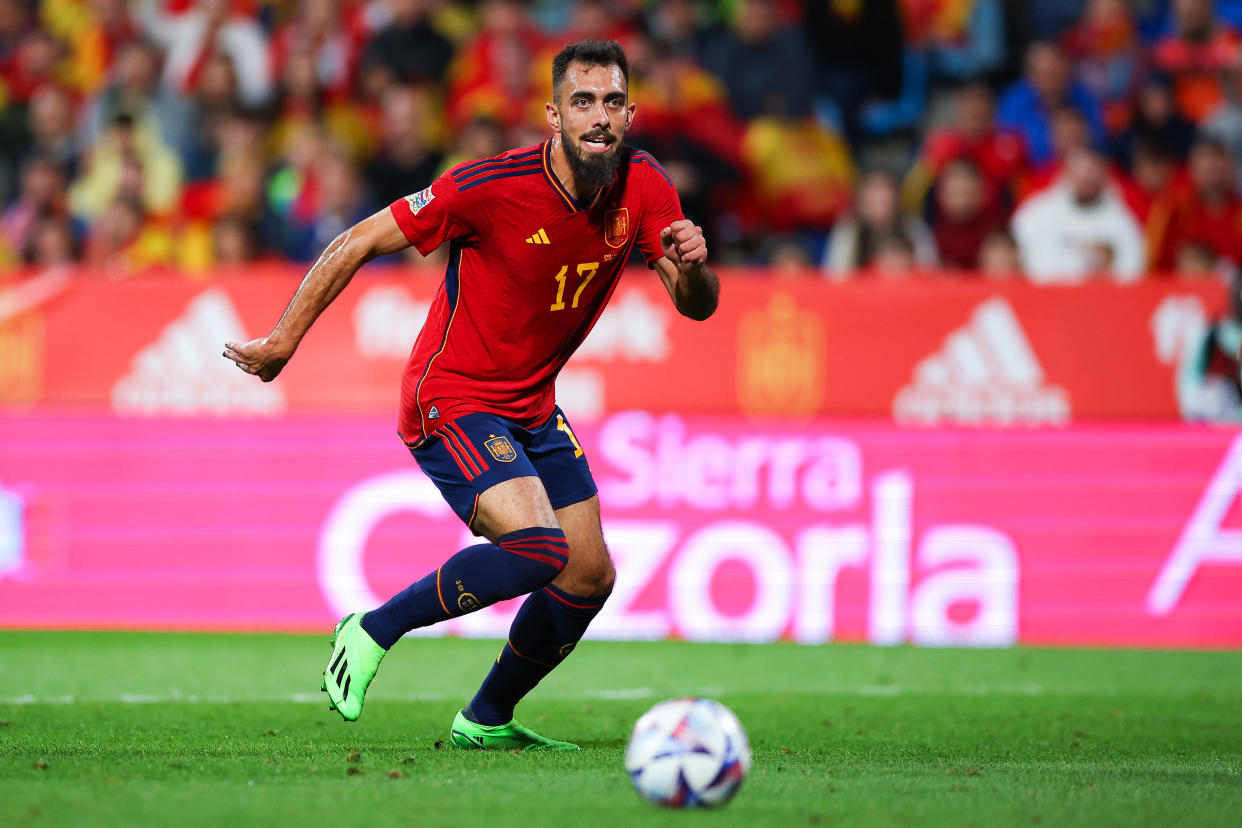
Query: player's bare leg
x=527 y=550
x=547 y=627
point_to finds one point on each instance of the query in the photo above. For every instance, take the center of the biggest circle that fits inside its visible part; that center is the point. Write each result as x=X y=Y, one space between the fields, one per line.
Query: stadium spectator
x=34 y=62
x=123 y=240
x=207 y=29
x=94 y=31
x=763 y=63
x=859 y=46
x=1048 y=84
x=969 y=134
x=1225 y=122
x=407 y=161
x=1208 y=388
x=493 y=73
x=675 y=25
x=233 y=241
x=876 y=214
x=1156 y=119
x=1109 y=57
x=43 y=196
x=51 y=243
x=409 y=46
x=339 y=203
x=133 y=87
x=1080 y=227
x=963 y=40
x=1199 y=48
x=800 y=176
x=331 y=35
x=894 y=258
x=685 y=119
x=238 y=194
x=131 y=163
x=304 y=100
x=963 y=215
x=51 y=127
x=999 y=258
x=1209 y=211
x=479 y=138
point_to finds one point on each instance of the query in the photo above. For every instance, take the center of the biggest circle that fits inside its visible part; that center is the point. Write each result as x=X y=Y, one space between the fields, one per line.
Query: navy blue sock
x=545 y=631
x=520 y=562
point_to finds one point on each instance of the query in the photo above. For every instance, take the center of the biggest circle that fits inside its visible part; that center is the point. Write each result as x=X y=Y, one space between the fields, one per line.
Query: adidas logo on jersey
x=985 y=372
x=539 y=238
x=182 y=372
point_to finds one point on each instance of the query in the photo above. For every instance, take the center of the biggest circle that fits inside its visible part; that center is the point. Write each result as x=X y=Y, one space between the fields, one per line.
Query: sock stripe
x=564 y=597
x=461 y=435
x=537 y=547
x=520 y=654
x=459 y=455
x=556 y=561
x=555 y=539
x=440 y=595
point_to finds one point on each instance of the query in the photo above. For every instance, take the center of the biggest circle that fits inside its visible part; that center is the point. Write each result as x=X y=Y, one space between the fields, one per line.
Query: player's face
x=591 y=117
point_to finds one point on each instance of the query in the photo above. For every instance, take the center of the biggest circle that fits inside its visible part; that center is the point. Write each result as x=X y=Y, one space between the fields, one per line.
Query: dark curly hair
x=588 y=53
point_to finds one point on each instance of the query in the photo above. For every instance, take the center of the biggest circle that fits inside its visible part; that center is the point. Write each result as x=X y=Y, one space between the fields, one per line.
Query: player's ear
x=629 y=115
x=554 y=116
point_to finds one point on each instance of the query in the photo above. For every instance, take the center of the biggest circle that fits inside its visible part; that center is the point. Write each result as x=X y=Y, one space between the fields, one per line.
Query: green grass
x=132 y=729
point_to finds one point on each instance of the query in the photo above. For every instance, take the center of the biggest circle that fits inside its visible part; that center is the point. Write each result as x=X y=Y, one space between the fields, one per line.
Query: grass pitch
x=141 y=729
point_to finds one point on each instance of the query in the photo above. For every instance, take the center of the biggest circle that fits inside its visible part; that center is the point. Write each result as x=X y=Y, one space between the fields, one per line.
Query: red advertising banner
x=723 y=528
x=927 y=352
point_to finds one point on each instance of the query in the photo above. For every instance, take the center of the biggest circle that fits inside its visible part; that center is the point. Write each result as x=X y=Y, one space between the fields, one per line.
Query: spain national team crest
x=420 y=200
x=501 y=449
x=617 y=227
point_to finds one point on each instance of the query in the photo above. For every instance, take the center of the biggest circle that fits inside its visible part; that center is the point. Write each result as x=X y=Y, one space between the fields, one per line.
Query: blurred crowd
x=1047 y=140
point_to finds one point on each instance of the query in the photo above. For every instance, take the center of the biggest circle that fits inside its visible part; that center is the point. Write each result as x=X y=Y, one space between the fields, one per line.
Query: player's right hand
x=260 y=357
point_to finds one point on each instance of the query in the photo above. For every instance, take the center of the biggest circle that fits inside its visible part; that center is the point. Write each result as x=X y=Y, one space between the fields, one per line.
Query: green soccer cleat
x=355 y=659
x=511 y=736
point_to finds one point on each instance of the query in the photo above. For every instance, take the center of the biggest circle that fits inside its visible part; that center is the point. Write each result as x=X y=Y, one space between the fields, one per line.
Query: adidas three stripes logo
x=341 y=674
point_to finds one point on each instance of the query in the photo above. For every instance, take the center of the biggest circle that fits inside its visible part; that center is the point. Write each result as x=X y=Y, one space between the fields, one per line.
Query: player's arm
x=375 y=236
x=691 y=284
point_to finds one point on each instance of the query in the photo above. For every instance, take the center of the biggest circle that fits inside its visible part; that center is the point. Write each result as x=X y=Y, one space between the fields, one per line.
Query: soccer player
x=538 y=238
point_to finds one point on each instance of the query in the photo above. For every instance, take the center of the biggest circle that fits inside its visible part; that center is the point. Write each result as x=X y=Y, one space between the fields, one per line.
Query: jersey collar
x=574 y=205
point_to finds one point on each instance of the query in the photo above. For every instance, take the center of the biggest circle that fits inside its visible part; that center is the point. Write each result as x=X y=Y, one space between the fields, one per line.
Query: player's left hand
x=684 y=245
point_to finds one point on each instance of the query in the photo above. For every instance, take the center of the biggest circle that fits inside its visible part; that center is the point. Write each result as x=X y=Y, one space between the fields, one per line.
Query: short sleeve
x=432 y=216
x=661 y=207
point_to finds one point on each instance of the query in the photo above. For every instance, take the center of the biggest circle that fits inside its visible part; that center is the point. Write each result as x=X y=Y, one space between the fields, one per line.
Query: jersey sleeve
x=432 y=216
x=661 y=207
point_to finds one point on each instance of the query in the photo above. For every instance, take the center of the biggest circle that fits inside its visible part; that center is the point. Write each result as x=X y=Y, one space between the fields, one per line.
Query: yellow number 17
x=586 y=270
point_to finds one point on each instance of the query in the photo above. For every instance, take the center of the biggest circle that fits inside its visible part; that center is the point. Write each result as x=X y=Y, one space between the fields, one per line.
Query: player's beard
x=592 y=170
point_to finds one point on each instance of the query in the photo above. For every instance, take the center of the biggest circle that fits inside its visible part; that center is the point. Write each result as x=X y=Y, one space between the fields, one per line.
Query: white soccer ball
x=688 y=753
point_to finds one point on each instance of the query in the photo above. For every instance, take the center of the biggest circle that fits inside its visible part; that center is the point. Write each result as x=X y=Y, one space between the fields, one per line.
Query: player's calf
x=478 y=576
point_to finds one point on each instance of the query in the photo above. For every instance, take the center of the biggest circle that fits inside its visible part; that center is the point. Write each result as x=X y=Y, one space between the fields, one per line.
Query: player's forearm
x=697 y=293
x=325 y=280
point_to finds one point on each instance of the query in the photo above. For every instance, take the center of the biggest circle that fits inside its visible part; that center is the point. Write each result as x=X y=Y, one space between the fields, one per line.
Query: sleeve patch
x=420 y=200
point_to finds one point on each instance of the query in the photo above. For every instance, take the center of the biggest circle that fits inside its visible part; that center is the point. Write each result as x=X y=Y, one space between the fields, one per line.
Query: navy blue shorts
x=467 y=456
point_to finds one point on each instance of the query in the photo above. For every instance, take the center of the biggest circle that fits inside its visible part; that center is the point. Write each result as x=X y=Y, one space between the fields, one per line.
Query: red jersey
x=530 y=270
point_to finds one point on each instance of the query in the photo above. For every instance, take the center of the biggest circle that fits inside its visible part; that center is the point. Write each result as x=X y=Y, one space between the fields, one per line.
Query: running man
x=538 y=238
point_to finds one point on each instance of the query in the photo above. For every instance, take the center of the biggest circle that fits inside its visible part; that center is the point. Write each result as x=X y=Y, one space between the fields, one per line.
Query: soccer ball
x=688 y=753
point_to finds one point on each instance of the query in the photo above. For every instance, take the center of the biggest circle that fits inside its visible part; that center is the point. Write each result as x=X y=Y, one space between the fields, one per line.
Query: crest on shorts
x=420 y=200
x=501 y=449
x=617 y=226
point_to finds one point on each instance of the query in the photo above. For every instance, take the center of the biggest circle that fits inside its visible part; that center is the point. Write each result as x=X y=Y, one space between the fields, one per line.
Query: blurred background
x=972 y=381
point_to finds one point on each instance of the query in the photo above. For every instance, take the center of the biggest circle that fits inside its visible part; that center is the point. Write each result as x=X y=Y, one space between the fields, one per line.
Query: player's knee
x=598 y=578
x=538 y=556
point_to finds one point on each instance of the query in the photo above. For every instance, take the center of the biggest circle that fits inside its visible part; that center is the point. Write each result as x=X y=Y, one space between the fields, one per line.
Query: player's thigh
x=590 y=570
x=484 y=474
x=517 y=503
